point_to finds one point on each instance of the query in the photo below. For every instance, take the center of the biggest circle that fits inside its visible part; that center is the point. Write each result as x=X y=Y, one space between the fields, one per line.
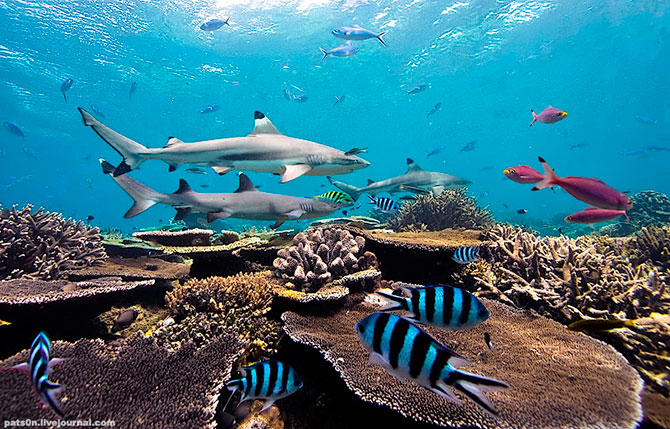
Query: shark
x=265 y=149
x=415 y=180
x=247 y=202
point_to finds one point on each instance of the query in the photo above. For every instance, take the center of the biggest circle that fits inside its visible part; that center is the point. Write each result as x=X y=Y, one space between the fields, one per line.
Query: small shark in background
x=65 y=86
x=417 y=89
x=356 y=32
x=415 y=180
x=434 y=110
x=340 y=51
x=214 y=24
x=247 y=202
x=265 y=150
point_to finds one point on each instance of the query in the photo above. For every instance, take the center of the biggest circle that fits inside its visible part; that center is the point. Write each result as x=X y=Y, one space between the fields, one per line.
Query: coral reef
x=326 y=293
x=320 y=255
x=186 y=238
x=225 y=237
x=649 y=208
x=134 y=382
x=651 y=244
x=453 y=208
x=565 y=365
x=140 y=268
x=41 y=245
x=589 y=277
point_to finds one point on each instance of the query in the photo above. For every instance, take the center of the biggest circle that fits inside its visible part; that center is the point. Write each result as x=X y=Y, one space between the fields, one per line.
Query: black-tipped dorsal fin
x=171 y=141
x=412 y=166
x=245 y=184
x=370 y=181
x=263 y=125
x=183 y=187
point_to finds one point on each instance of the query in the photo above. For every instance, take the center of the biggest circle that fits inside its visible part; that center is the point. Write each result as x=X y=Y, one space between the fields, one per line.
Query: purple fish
x=594 y=215
x=548 y=115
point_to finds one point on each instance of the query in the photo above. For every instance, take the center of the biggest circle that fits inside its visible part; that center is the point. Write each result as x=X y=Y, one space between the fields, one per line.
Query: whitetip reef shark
x=264 y=150
x=246 y=202
x=415 y=180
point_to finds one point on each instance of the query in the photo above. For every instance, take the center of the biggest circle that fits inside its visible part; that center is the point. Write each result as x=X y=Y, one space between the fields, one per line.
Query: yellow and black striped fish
x=336 y=197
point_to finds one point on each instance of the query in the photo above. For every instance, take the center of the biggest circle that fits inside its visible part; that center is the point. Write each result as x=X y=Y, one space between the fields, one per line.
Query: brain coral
x=42 y=245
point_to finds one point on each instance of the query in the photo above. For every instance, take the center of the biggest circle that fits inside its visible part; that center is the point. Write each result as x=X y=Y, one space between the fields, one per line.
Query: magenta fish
x=594 y=215
x=548 y=115
x=523 y=174
x=592 y=191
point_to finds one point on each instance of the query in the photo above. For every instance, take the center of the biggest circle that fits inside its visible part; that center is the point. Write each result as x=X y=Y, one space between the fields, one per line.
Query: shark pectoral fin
x=293 y=171
x=437 y=190
x=221 y=170
x=294 y=214
x=182 y=212
x=278 y=223
x=212 y=216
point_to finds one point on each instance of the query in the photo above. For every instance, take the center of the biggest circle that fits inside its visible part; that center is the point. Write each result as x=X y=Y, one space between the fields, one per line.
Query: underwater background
x=487 y=62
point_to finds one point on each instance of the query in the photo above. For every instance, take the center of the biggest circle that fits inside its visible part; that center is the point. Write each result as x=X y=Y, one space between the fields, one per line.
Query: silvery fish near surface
x=340 y=51
x=445 y=306
x=65 y=86
x=415 y=180
x=466 y=255
x=39 y=368
x=407 y=351
x=384 y=204
x=355 y=32
x=247 y=202
x=269 y=381
x=13 y=128
x=265 y=149
x=417 y=89
x=214 y=24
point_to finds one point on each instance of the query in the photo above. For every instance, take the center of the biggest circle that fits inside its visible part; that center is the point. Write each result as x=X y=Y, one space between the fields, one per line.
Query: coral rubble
x=453 y=208
x=41 y=245
x=320 y=255
x=564 y=365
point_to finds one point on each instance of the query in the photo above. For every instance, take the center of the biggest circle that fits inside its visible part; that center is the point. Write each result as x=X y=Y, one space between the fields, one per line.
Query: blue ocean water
x=487 y=62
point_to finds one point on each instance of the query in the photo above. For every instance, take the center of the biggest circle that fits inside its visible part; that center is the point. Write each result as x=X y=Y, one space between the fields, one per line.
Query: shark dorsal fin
x=412 y=166
x=370 y=181
x=245 y=185
x=172 y=140
x=263 y=125
x=183 y=187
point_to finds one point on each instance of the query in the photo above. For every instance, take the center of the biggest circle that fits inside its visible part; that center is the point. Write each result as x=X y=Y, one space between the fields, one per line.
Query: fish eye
x=482 y=312
x=360 y=328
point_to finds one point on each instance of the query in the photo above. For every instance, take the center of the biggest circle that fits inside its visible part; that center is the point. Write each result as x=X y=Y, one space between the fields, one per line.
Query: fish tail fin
x=144 y=196
x=65 y=97
x=473 y=386
x=373 y=200
x=394 y=302
x=324 y=52
x=353 y=191
x=534 y=117
x=48 y=395
x=550 y=178
x=132 y=152
x=237 y=384
x=380 y=38
x=226 y=22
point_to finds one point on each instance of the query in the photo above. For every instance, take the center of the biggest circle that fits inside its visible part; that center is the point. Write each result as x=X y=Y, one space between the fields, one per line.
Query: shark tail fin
x=380 y=38
x=353 y=191
x=144 y=196
x=132 y=152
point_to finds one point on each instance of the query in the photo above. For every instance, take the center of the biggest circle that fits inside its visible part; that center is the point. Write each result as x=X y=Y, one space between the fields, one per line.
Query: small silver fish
x=434 y=110
x=340 y=51
x=356 y=151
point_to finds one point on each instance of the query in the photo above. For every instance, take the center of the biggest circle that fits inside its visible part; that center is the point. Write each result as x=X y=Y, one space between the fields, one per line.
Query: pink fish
x=548 y=115
x=594 y=215
x=523 y=174
x=588 y=189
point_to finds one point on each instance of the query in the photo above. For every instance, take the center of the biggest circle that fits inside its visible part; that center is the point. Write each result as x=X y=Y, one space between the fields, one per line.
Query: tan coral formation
x=453 y=208
x=41 y=245
x=576 y=381
x=320 y=255
x=186 y=238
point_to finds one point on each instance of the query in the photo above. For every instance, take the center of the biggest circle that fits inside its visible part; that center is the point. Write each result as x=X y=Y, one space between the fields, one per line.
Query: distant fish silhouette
x=65 y=86
x=133 y=88
x=211 y=108
x=214 y=24
x=14 y=129
x=434 y=110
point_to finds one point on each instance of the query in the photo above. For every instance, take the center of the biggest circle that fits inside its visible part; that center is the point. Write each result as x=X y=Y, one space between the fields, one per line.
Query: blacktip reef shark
x=264 y=150
x=246 y=202
x=415 y=180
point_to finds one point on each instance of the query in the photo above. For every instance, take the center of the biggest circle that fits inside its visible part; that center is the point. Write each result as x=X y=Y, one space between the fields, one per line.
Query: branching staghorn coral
x=652 y=244
x=319 y=255
x=42 y=245
x=453 y=208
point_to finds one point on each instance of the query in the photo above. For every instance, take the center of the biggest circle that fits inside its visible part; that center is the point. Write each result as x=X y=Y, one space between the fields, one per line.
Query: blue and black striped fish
x=445 y=306
x=268 y=380
x=407 y=351
x=384 y=204
x=466 y=255
x=336 y=197
x=39 y=367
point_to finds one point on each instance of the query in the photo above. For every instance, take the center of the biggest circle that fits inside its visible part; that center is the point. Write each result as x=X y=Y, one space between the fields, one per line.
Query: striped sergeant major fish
x=336 y=197
x=268 y=380
x=444 y=306
x=39 y=367
x=384 y=204
x=466 y=255
x=407 y=351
